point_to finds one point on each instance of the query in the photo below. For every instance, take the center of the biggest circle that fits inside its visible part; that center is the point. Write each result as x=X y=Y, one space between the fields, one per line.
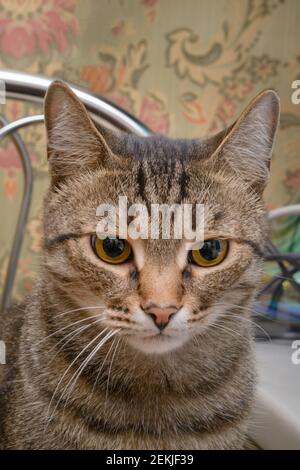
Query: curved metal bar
x=284 y=211
x=23 y=122
x=23 y=213
x=33 y=88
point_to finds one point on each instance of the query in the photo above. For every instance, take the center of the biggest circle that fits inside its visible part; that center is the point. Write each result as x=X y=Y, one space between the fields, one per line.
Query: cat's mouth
x=158 y=343
x=160 y=335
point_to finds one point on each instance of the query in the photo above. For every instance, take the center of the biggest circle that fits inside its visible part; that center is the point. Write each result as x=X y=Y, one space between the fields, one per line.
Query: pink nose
x=161 y=315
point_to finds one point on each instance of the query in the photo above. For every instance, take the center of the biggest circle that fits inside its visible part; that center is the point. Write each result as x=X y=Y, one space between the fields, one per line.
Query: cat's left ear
x=73 y=141
x=247 y=147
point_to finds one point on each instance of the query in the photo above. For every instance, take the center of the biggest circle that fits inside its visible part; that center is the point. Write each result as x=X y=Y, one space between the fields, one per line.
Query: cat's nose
x=161 y=315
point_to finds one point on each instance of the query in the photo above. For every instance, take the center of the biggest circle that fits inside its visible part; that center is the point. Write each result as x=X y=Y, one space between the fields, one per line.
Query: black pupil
x=113 y=247
x=211 y=249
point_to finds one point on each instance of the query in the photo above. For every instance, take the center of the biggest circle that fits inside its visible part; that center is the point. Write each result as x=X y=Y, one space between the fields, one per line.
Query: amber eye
x=111 y=250
x=213 y=252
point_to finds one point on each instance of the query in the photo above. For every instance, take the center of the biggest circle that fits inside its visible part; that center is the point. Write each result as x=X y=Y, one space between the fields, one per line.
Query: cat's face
x=158 y=293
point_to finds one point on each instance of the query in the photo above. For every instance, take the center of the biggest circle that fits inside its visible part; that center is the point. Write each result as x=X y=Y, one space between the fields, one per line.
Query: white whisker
x=72 y=382
x=71 y=336
x=109 y=370
x=67 y=326
x=78 y=310
x=67 y=370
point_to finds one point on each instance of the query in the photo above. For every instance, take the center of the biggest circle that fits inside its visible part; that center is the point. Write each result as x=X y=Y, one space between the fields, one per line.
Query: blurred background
x=184 y=68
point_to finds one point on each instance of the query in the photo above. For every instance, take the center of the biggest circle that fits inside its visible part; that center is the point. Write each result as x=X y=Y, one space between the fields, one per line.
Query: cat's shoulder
x=11 y=321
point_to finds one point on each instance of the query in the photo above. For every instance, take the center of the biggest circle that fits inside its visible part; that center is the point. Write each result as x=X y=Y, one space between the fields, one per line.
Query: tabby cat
x=140 y=344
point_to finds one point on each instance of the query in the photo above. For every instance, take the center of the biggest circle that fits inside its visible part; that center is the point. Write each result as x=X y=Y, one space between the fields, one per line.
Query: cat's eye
x=111 y=250
x=212 y=252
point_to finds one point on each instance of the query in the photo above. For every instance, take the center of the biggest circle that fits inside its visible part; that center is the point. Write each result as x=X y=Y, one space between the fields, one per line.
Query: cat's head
x=158 y=293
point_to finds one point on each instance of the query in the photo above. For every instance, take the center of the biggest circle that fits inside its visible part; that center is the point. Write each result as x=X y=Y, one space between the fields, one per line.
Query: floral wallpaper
x=185 y=68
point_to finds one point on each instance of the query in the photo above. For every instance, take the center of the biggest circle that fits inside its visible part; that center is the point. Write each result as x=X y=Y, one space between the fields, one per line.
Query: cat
x=140 y=344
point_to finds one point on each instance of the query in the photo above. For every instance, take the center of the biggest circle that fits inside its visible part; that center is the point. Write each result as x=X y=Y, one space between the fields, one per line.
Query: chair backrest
x=33 y=88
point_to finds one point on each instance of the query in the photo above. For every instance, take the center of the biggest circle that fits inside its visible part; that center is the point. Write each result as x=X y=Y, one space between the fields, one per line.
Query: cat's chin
x=158 y=344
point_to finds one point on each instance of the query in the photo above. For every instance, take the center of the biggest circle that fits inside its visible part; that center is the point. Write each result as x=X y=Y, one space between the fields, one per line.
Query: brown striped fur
x=192 y=390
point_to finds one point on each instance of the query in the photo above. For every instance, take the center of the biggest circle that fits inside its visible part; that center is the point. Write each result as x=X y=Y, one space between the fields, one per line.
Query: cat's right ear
x=73 y=142
x=247 y=146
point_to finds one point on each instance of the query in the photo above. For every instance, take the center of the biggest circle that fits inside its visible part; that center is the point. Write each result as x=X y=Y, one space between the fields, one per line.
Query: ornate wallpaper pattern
x=186 y=68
